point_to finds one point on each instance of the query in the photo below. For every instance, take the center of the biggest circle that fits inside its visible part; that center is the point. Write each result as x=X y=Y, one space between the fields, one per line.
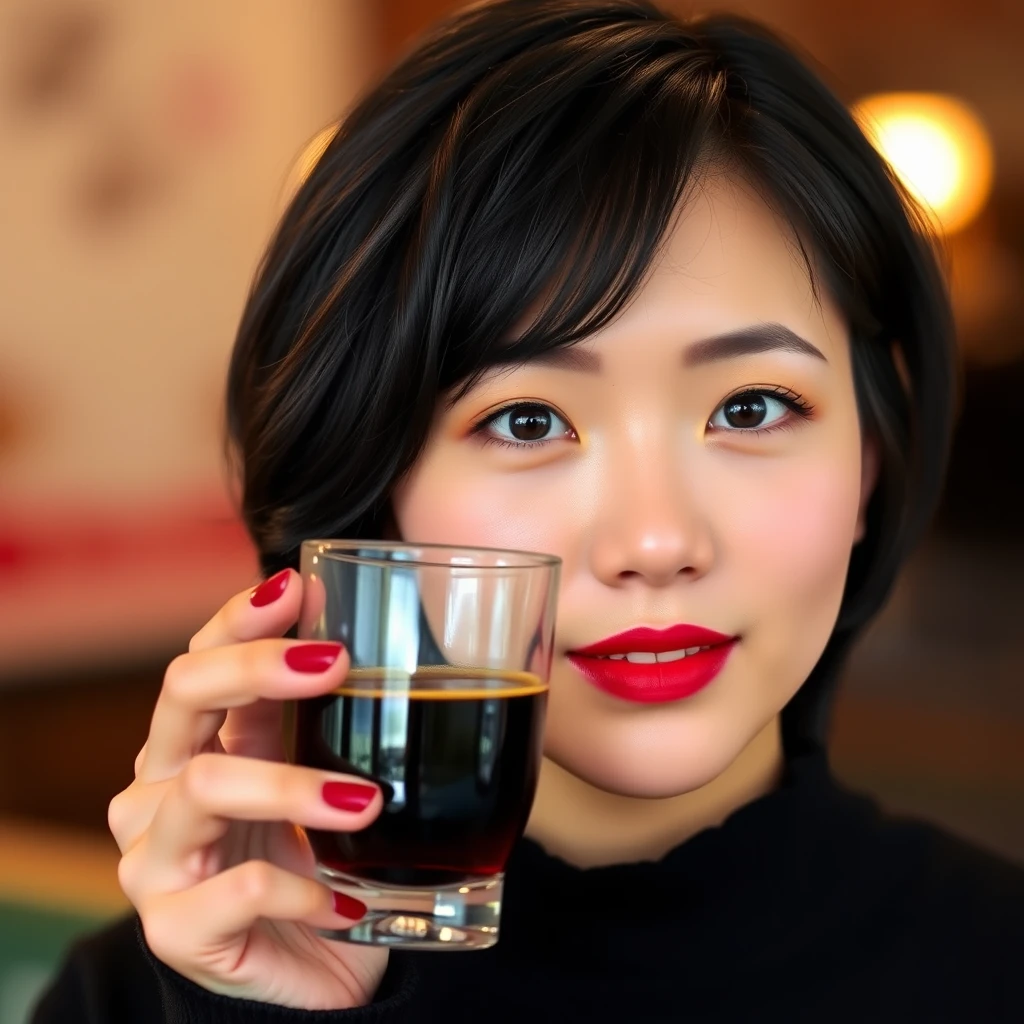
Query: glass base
x=463 y=916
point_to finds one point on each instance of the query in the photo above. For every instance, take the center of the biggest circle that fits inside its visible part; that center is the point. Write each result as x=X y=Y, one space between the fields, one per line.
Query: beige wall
x=144 y=149
x=116 y=319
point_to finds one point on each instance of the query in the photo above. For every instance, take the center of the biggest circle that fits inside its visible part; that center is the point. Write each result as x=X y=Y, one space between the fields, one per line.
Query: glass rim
x=340 y=549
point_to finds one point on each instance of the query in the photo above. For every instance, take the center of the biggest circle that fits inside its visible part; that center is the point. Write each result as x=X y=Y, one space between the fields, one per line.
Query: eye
x=759 y=410
x=524 y=425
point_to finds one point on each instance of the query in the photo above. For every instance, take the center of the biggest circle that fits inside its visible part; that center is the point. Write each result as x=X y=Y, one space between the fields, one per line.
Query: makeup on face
x=654 y=666
x=695 y=461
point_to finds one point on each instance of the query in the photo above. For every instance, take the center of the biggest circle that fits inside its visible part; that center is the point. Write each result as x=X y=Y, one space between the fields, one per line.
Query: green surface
x=32 y=943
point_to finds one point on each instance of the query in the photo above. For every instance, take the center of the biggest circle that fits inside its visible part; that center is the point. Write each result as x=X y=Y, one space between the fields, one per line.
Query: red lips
x=658 y=682
x=657 y=640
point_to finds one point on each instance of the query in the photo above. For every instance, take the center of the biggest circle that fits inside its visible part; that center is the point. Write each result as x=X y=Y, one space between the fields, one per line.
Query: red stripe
x=78 y=542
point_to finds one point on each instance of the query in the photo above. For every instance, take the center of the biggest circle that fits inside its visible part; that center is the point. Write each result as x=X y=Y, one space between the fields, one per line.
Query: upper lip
x=657 y=641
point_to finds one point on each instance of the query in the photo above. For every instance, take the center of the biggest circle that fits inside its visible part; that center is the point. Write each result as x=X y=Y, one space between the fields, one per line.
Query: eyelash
x=504 y=442
x=794 y=401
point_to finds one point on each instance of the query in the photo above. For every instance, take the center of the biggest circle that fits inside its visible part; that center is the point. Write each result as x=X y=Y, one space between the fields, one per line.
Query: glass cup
x=443 y=708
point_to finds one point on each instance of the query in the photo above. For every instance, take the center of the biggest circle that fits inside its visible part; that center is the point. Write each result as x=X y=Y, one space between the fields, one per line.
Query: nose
x=651 y=526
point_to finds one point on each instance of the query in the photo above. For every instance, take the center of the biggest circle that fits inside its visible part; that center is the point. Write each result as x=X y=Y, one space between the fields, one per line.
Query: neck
x=570 y=817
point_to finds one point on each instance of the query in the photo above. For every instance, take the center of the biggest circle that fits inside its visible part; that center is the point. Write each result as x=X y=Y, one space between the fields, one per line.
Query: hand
x=223 y=881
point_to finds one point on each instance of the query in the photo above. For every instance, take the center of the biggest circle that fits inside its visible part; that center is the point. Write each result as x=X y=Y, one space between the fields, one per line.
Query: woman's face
x=669 y=498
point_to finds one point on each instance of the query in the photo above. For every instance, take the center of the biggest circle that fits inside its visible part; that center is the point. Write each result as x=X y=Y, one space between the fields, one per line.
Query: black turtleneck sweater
x=805 y=905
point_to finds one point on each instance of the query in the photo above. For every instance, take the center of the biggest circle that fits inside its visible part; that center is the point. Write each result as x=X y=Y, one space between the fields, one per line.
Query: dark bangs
x=530 y=156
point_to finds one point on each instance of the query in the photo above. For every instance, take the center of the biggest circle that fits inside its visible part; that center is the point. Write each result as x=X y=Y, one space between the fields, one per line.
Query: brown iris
x=529 y=422
x=745 y=412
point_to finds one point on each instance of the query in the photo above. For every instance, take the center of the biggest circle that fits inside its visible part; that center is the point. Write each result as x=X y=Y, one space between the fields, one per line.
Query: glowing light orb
x=938 y=147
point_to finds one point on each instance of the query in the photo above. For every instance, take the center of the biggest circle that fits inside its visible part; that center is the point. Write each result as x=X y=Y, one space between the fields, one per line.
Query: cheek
x=791 y=543
x=798 y=532
x=446 y=502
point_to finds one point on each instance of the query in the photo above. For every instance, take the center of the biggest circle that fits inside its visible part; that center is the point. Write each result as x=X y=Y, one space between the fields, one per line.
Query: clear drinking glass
x=443 y=708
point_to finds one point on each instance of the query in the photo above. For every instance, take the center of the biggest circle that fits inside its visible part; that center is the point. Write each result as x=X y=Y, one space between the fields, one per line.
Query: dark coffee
x=457 y=755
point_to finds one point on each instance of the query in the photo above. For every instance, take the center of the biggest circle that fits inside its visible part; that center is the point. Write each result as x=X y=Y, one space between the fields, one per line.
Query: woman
x=583 y=279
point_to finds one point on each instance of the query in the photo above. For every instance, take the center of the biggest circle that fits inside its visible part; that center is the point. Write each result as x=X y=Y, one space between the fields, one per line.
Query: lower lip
x=658 y=683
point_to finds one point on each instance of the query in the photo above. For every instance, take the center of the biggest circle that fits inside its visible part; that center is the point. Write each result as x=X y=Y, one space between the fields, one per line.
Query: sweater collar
x=785 y=863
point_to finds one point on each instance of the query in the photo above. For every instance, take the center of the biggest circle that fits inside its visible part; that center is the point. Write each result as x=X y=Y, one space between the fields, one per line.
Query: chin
x=649 y=763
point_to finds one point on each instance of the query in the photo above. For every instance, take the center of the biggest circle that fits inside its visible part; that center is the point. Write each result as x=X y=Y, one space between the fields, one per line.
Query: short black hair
x=531 y=154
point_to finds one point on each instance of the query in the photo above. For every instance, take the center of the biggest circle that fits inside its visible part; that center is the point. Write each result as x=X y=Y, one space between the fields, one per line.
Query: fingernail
x=269 y=590
x=347 y=906
x=312 y=657
x=348 y=796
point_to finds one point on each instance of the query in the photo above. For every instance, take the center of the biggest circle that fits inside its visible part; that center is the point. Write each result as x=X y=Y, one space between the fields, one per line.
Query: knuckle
x=252 y=657
x=176 y=677
x=118 y=811
x=200 y=776
x=253 y=882
x=159 y=932
x=283 y=785
x=128 y=876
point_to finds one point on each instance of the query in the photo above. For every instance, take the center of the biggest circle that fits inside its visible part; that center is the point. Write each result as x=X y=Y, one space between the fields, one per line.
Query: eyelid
x=777 y=390
x=489 y=417
x=795 y=402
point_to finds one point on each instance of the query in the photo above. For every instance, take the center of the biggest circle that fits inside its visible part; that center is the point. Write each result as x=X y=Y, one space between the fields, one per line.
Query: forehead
x=730 y=261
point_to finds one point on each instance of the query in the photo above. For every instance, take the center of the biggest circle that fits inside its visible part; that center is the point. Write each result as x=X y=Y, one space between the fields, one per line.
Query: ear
x=870 y=467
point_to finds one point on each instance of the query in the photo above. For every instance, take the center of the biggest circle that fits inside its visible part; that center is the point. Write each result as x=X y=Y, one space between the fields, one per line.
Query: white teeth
x=673 y=655
x=649 y=658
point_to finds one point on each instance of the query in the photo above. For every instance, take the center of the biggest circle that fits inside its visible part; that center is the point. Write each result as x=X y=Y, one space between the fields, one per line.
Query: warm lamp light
x=938 y=148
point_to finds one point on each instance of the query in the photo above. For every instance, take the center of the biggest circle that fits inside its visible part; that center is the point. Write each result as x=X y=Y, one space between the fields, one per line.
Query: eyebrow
x=747 y=341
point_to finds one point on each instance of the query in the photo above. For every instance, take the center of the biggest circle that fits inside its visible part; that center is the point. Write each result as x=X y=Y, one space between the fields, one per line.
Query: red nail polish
x=269 y=590
x=348 y=796
x=312 y=657
x=347 y=906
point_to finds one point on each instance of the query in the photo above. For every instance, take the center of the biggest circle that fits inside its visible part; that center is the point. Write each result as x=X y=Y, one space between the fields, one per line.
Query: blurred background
x=147 y=152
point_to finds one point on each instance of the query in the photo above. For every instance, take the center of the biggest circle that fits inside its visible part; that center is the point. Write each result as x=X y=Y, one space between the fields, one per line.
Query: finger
x=131 y=812
x=255 y=731
x=269 y=609
x=216 y=789
x=194 y=931
x=200 y=687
